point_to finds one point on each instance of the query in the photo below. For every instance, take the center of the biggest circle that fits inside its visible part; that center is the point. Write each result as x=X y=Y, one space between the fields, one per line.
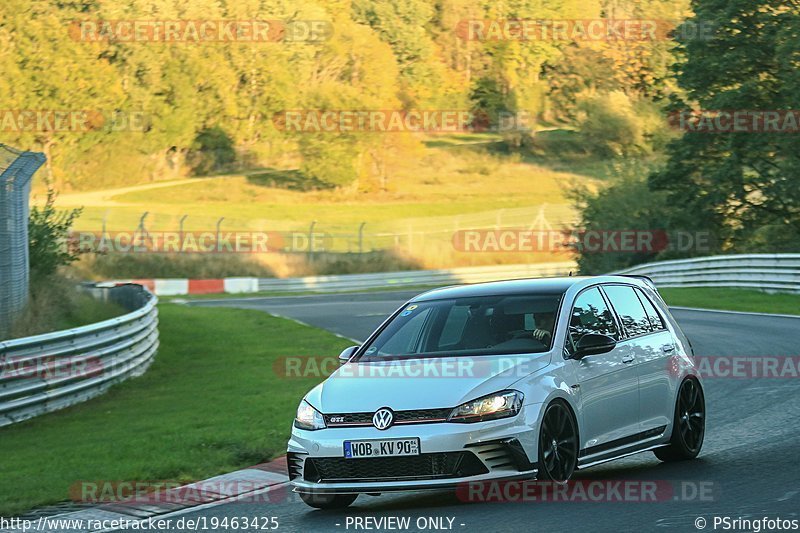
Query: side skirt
x=640 y=442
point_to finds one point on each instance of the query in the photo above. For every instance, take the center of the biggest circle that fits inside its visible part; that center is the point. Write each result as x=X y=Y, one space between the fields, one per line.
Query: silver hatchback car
x=527 y=379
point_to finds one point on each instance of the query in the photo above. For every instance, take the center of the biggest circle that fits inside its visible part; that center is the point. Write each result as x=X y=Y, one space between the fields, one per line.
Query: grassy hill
x=452 y=182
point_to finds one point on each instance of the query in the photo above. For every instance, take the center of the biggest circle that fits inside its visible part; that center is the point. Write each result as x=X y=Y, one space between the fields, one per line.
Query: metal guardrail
x=414 y=278
x=767 y=272
x=49 y=372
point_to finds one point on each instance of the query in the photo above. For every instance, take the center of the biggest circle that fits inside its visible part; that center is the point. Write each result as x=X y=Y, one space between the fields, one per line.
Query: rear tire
x=689 y=424
x=328 y=501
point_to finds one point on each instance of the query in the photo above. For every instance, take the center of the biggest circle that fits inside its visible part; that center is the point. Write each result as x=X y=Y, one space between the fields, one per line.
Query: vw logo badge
x=383 y=418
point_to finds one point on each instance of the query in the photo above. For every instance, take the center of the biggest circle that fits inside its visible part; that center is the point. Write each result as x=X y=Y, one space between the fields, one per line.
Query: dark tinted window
x=453 y=329
x=629 y=309
x=590 y=314
x=480 y=325
x=655 y=319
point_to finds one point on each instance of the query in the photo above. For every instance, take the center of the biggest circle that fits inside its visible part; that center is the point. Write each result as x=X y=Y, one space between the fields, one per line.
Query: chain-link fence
x=16 y=169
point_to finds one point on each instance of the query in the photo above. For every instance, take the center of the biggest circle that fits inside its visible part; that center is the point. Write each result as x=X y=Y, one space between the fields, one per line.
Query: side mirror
x=593 y=344
x=346 y=354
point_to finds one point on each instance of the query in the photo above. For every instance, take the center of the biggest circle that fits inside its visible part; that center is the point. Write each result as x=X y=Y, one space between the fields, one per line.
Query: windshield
x=485 y=325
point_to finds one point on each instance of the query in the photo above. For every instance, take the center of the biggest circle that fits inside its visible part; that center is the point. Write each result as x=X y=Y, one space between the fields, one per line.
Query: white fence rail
x=48 y=372
x=414 y=278
x=767 y=272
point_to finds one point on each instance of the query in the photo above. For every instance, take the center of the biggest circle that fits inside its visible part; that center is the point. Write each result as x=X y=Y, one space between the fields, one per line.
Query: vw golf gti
x=527 y=379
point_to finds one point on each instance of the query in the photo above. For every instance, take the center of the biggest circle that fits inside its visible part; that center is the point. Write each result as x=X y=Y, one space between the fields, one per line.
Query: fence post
x=180 y=232
x=16 y=170
x=361 y=237
x=142 y=230
x=219 y=224
x=311 y=242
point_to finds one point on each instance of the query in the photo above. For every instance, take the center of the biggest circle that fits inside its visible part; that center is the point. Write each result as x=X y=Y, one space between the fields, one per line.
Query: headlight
x=308 y=417
x=500 y=405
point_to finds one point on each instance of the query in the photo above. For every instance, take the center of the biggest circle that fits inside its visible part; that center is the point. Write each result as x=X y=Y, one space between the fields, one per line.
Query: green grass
x=733 y=300
x=210 y=403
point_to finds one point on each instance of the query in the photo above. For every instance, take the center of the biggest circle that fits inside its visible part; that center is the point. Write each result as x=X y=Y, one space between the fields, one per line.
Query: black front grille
x=417 y=416
x=416 y=467
x=421 y=415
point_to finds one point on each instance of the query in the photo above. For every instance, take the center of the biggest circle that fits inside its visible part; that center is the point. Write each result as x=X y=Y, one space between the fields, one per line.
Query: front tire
x=689 y=425
x=328 y=501
x=558 y=444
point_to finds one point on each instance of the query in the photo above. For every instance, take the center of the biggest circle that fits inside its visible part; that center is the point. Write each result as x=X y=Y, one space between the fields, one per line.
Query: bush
x=212 y=151
x=331 y=161
x=613 y=124
x=771 y=238
x=48 y=230
x=354 y=263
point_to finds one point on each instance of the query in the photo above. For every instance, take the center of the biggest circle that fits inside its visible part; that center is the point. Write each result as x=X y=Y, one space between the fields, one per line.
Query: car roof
x=557 y=285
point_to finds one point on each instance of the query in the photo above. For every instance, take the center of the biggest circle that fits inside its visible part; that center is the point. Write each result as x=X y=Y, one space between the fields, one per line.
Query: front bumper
x=452 y=454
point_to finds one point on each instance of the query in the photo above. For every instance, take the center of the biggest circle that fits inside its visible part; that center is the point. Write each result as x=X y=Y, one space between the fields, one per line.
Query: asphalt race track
x=749 y=466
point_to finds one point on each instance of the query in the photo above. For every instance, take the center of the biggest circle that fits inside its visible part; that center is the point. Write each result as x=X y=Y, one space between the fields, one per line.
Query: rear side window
x=629 y=309
x=656 y=322
x=590 y=314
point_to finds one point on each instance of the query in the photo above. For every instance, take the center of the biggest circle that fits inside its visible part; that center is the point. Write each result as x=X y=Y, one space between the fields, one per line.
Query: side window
x=590 y=314
x=629 y=309
x=656 y=322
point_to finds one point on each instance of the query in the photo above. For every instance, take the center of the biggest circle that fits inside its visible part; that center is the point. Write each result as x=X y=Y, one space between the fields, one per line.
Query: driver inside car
x=544 y=327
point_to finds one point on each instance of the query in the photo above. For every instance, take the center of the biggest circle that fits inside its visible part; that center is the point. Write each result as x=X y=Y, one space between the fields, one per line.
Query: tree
x=624 y=204
x=732 y=184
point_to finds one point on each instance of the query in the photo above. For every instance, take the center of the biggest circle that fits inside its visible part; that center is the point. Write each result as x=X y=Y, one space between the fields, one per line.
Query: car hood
x=420 y=383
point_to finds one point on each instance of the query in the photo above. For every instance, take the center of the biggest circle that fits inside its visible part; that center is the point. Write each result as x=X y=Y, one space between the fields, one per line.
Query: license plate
x=355 y=449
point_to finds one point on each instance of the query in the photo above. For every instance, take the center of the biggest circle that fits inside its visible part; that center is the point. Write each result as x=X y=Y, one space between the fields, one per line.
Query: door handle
x=667 y=348
x=628 y=359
